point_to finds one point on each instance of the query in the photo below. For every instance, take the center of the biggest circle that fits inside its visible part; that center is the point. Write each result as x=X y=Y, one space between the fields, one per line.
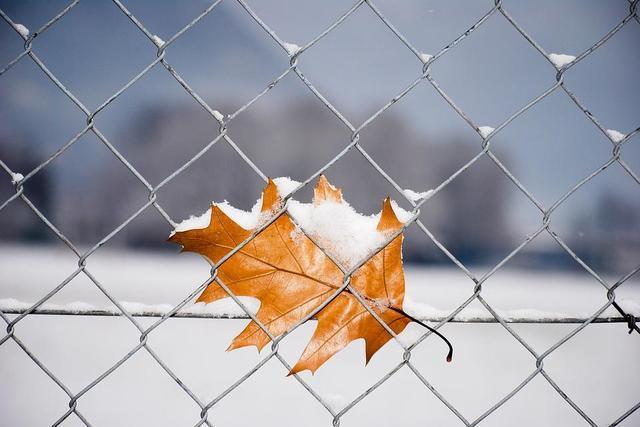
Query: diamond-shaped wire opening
x=269 y=407
x=171 y=17
x=80 y=186
x=136 y=388
x=416 y=155
x=71 y=349
x=571 y=367
x=479 y=201
x=480 y=74
x=63 y=50
x=303 y=23
x=560 y=267
x=557 y=34
x=17 y=402
x=225 y=57
x=492 y=365
x=35 y=111
x=611 y=101
x=143 y=121
x=426 y=25
x=402 y=399
x=205 y=337
x=289 y=113
x=604 y=230
x=35 y=18
x=542 y=404
x=351 y=64
x=541 y=146
x=221 y=175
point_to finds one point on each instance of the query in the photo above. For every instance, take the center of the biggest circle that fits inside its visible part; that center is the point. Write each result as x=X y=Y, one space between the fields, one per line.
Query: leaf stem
x=421 y=323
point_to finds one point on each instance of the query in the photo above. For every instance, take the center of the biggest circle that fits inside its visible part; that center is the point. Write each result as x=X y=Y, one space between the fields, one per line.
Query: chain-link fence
x=562 y=64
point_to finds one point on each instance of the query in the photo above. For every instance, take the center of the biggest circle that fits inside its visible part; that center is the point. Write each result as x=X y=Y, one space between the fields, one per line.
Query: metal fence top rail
x=139 y=310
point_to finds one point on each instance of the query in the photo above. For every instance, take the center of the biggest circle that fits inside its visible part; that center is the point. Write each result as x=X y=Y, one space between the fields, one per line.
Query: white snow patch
x=223 y=307
x=426 y=311
x=425 y=57
x=247 y=220
x=218 y=115
x=296 y=233
x=416 y=196
x=339 y=229
x=228 y=307
x=194 y=222
x=421 y=310
x=292 y=48
x=141 y=308
x=532 y=313
x=75 y=306
x=403 y=215
x=16 y=178
x=346 y=234
x=561 y=59
x=157 y=40
x=485 y=131
x=24 y=31
x=335 y=401
x=411 y=334
x=7 y=304
x=285 y=185
x=616 y=136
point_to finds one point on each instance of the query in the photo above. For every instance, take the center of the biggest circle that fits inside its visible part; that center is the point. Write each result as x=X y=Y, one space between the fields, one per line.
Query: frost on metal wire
x=615 y=309
x=485 y=131
x=561 y=59
x=24 y=31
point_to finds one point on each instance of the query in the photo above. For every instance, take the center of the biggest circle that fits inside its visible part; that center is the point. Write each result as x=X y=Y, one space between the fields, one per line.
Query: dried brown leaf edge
x=291 y=277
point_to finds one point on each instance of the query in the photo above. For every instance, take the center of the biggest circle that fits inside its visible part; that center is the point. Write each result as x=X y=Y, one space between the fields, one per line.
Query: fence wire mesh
x=225 y=123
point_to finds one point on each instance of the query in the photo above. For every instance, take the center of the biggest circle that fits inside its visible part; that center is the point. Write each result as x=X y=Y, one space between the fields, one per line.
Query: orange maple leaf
x=291 y=277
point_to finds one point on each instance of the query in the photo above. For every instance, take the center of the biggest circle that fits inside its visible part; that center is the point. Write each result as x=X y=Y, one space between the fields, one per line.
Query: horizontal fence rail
x=188 y=313
x=354 y=142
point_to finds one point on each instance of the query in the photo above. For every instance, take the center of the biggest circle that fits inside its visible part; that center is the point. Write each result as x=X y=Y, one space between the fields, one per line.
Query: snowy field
x=598 y=368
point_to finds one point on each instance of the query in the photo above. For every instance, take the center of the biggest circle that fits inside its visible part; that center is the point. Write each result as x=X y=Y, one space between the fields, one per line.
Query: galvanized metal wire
x=353 y=142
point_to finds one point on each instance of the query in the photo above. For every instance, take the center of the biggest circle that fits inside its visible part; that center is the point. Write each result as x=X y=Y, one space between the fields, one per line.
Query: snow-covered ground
x=598 y=368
